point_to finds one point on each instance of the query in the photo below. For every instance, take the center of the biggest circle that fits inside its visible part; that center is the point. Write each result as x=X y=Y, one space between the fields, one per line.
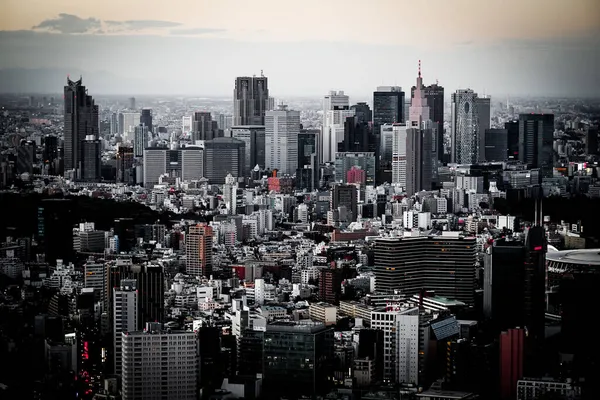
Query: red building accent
x=511 y=361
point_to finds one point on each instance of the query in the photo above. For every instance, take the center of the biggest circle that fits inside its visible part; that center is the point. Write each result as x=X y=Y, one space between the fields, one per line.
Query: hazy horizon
x=197 y=48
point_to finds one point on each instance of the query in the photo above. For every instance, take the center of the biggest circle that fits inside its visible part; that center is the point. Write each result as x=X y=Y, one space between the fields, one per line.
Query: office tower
x=25 y=157
x=512 y=139
x=483 y=114
x=50 y=149
x=132 y=103
x=114 y=124
x=407 y=264
x=125 y=158
x=140 y=141
x=399 y=137
x=591 y=140
x=250 y=100
x=435 y=100
x=95 y=278
x=496 y=145
x=155 y=161
x=407 y=347
x=330 y=285
x=419 y=112
x=230 y=189
x=512 y=344
x=536 y=138
x=209 y=351
x=465 y=127
x=55 y=229
x=253 y=137
x=344 y=162
x=282 y=128
x=91 y=162
x=363 y=112
x=297 y=359
x=418 y=160
x=125 y=317
x=388 y=105
x=192 y=163
x=127 y=123
x=370 y=345
x=308 y=140
x=335 y=111
x=202 y=126
x=174 y=377
x=346 y=196
x=198 y=250
x=146 y=118
x=223 y=156
x=81 y=121
x=356 y=136
x=186 y=124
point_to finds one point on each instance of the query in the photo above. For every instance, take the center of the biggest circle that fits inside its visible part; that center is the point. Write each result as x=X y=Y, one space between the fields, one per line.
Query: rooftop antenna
x=419 y=68
x=535 y=215
x=261 y=74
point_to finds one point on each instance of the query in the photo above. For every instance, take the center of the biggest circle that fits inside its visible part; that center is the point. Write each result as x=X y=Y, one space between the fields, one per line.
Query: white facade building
x=399 y=155
x=125 y=317
x=282 y=128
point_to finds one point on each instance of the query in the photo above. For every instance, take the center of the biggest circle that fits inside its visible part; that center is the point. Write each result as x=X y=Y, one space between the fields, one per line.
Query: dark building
x=370 y=345
x=146 y=118
x=435 y=100
x=124 y=229
x=307 y=146
x=250 y=360
x=81 y=120
x=125 y=171
x=419 y=171
x=363 y=112
x=25 y=157
x=297 y=359
x=356 y=136
x=209 y=349
x=408 y=264
x=330 y=285
x=202 y=126
x=51 y=154
x=223 y=156
x=250 y=100
x=591 y=140
x=55 y=229
x=388 y=106
x=536 y=137
x=512 y=139
x=496 y=145
x=308 y=177
x=253 y=137
x=90 y=159
x=344 y=195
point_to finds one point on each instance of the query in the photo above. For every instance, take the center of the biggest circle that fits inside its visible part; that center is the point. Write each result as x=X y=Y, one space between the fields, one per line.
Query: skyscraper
x=132 y=103
x=202 y=126
x=363 y=112
x=198 y=250
x=483 y=116
x=344 y=162
x=140 y=140
x=388 y=105
x=146 y=118
x=250 y=100
x=336 y=108
x=282 y=128
x=496 y=145
x=25 y=157
x=191 y=159
x=512 y=139
x=91 y=163
x=435 y=100
x=253 y=137
x=81 y=120
x=223 y=156
x=465 y=127
x=344 y=195
x=125 y=316
x=399 y=135
x=536 y=137
x=114 y=124
x=356 y=135
x=127 y=123
x=125 y=165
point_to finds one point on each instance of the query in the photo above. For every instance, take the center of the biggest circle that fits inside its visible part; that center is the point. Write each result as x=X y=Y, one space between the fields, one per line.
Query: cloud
x=69 y=24
x=194 y=31
x=138 y=25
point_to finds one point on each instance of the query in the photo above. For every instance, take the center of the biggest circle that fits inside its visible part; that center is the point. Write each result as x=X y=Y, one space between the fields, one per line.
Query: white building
x=465 y=127
x=192 y=163
x=323 y=312
x=125 y=317
x=407 y=347
x=159 y=364
x=399 y=155
x=336 y=107
x=129 y=121
x=282 y=128
x=155 y=164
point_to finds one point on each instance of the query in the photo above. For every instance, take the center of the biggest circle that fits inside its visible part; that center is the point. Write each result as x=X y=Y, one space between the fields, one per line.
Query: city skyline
x=497 y=49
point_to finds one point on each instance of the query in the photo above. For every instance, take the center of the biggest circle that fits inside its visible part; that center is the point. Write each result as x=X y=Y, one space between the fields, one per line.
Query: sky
x=305 y=48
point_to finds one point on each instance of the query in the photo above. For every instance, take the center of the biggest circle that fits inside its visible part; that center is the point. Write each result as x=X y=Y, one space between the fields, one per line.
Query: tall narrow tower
x=198 y=249
x=250 y=100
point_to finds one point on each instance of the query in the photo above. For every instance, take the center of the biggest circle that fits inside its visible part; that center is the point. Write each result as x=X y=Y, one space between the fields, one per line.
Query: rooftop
x=583 y=256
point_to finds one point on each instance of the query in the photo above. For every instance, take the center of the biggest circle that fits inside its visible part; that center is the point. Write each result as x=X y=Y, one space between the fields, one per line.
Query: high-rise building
x=174 y=377
x=81 y=120
x=512 y=353
x=536 y=138
x=418 y=160
x=125 y=158
x=140 y=140
x=356 y=136
x=308 y=140
x=186 y=163
x=186 y=124
x=250 y=100
x=465 y=127
x=297 y=359
x=191 y=159
x=223 y=156
x=198 y=249
x=127 y=123
x=282 y=128
x=591 y=140
x=399 y=137
x=405 y=264
x=330 y=285
x=25 y=157
x=114 y=123
x=253 y=137
x=55 y=229
x=336 y=108
x=344 y=195
x=95 y=278
x=435 y=100
x=388 y=105
x=125 y=317
x=344 y=162
x=91 y=164
x=155 y=164
x=202 y=126
x=512 y=139
x=363 y=112
x=496 y=145
x=483 y=116
x=146 y=118
x=132 y=103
